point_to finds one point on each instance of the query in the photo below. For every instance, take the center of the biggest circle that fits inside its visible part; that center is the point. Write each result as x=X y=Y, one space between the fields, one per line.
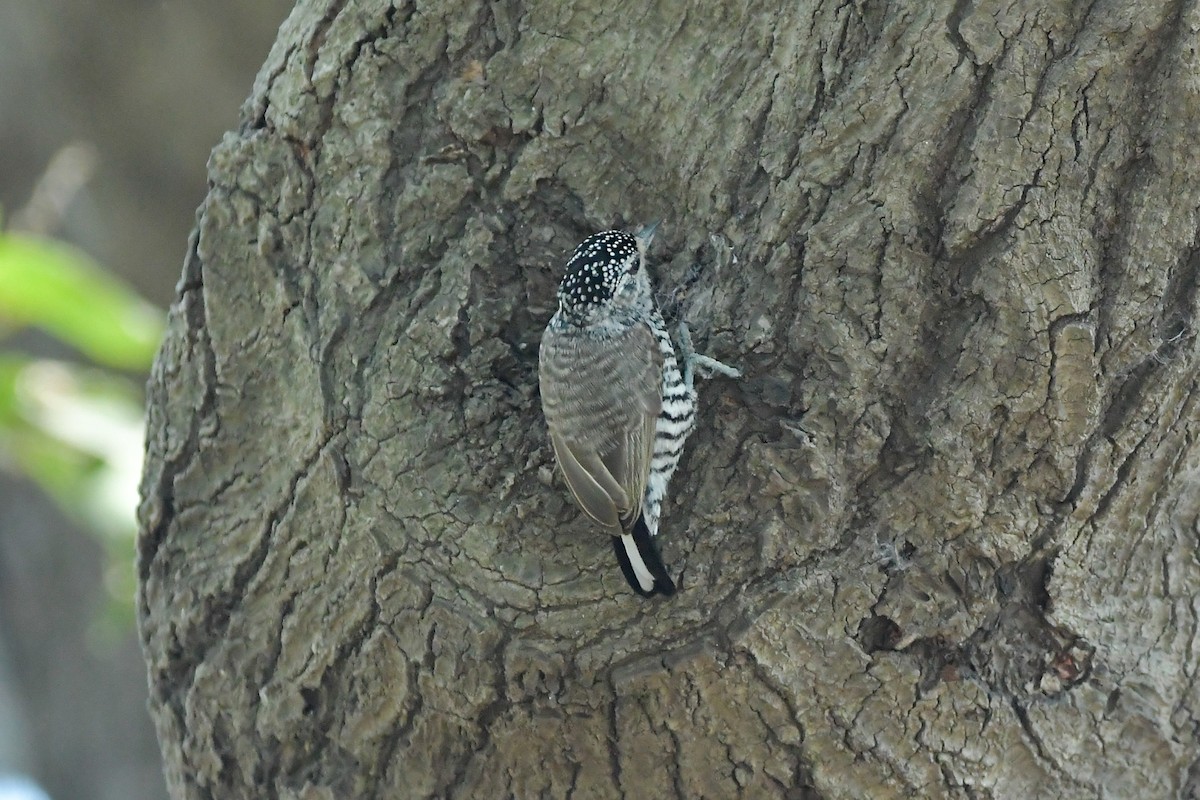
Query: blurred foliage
x=57 y=288
x=74 y=425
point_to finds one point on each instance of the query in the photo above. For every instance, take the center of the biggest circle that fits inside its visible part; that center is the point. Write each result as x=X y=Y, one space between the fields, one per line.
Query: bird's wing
x=602 y=399
x=593 y=485
x=630 y=462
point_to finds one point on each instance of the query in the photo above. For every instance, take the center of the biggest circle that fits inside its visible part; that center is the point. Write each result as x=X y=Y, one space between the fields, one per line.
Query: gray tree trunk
x=941 y=541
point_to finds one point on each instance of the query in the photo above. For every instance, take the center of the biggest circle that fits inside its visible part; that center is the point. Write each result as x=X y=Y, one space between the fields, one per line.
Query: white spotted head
x=605 y=274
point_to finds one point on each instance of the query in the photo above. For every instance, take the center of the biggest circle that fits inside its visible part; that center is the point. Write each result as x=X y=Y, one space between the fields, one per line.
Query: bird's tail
x=641 y=563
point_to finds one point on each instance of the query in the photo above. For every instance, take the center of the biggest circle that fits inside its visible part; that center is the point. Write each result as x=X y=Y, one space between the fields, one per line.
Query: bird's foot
x=710 y=366
x=693 y=361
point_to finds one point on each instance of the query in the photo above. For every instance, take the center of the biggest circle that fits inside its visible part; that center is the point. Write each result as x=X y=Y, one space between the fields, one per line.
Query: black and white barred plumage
x=676 y=419
x=618 y=404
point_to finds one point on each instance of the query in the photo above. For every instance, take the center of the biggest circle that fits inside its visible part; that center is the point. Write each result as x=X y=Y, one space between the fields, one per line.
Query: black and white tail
x=640 y=562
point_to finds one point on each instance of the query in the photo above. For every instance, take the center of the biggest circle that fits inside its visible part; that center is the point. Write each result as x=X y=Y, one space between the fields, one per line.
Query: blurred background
x=108 y=111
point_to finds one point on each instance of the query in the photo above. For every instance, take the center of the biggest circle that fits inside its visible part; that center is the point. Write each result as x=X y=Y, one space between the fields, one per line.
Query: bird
x=618 y=403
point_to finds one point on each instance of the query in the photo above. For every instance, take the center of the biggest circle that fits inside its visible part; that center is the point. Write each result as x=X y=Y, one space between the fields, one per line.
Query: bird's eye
x=633 y=266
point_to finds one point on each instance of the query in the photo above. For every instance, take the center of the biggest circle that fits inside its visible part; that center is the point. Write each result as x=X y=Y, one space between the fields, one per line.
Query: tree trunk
x=940 y=541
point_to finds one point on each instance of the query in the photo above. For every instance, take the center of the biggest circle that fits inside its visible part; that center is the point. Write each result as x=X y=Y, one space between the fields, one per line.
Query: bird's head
x=606 y=275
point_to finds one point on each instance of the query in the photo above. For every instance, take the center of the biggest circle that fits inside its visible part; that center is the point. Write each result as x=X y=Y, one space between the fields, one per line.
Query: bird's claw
x=710 y=366
x=692 y=360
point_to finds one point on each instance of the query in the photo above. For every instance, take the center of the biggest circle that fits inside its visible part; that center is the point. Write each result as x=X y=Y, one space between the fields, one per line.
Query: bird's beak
x=646 y=235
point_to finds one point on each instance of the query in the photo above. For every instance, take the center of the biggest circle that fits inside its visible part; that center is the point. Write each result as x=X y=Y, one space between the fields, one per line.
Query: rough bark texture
x=940 y=542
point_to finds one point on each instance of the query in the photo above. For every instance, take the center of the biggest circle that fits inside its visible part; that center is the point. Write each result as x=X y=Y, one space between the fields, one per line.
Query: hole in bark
x=310 y=701
x=877 y=633
x=1037 y=578
x=1027 y=581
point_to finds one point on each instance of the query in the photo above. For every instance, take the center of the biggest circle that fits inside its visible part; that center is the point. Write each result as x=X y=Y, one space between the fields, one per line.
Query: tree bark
x=940 y=541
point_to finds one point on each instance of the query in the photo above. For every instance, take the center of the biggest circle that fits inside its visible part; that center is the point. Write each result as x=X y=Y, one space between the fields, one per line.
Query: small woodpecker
x=617 y=403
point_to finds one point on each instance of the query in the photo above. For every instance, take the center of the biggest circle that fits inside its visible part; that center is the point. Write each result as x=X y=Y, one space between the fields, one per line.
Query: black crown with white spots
x=596 y=267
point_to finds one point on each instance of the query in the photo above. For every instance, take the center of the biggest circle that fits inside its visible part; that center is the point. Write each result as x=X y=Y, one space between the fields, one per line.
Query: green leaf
x=10 y=369
x=59 y=289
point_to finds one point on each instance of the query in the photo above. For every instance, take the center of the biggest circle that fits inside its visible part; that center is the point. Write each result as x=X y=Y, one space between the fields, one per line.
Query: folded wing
x=602 y=398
